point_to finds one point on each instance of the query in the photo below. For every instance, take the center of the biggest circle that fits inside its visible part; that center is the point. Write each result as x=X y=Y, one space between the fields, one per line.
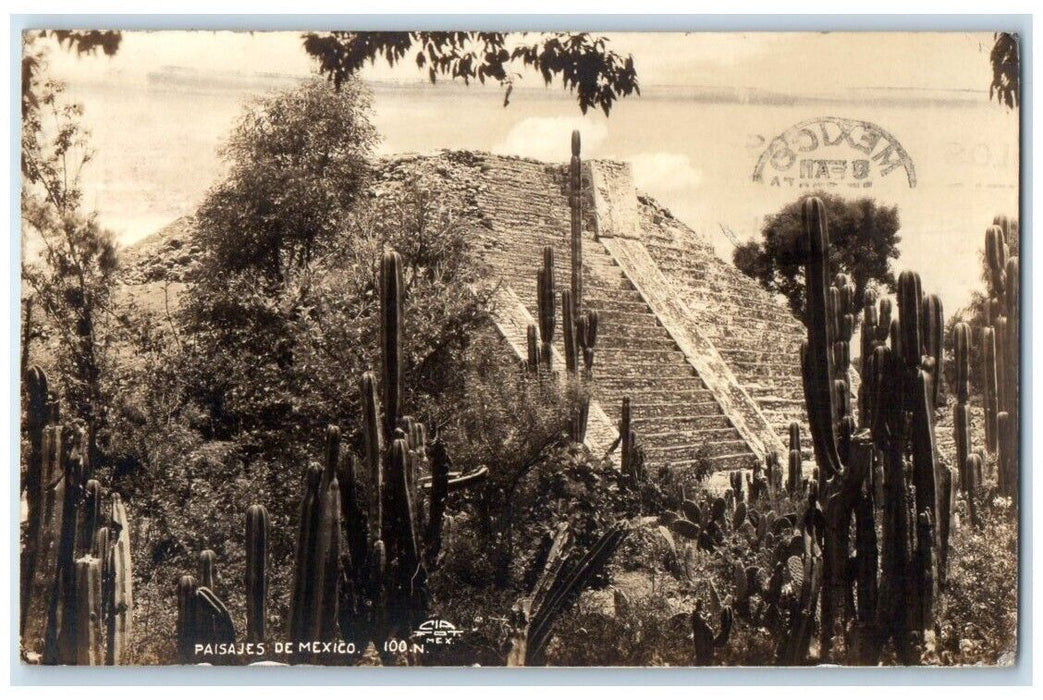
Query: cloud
x=664 y=172
x=548 y=138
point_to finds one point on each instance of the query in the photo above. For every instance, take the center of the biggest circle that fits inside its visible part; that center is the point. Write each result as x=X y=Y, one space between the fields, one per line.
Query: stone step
x=602 y=305
x=747 y=355
x=710 y=448
x=610 y=371
x=636 y=341
x=609 y=317
x=699 y=436
x=665 y=384
x=635 y=356
x=629 y=295
x=655 y=402
x=717 y=463
x=682 y=422
x=525 y=282
x=634 y=332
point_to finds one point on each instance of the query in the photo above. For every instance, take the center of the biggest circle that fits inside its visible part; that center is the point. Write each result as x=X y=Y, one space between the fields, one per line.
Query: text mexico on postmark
x=833 y=152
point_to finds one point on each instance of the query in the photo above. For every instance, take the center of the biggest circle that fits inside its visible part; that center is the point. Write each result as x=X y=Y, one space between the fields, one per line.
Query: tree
x=298 y=161
x=34 y=56
x=1006 y=70
x=863 y=236
x=583 y=61
x=280 y=320
x=73 y=277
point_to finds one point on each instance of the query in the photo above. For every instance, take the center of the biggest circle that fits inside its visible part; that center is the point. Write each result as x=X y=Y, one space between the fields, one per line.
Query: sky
x=711 y=104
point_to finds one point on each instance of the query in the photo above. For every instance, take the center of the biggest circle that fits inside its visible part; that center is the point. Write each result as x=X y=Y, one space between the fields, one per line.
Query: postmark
x=834 y=152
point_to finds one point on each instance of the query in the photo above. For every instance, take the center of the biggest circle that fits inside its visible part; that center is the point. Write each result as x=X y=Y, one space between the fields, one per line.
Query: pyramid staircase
x=758 y=338
x=676 y=415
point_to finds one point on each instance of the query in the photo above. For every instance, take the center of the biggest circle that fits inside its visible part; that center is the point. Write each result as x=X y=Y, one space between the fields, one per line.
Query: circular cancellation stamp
x=833 y=152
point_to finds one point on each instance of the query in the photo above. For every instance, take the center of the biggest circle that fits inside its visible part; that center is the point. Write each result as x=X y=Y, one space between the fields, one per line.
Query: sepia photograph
x=520 y=348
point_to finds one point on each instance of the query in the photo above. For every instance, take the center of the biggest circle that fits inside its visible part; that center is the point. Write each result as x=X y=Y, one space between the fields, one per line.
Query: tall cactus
x=568 y=327
x=819 y=355
x=1001 y=352
x=379 y=588
x=961 y=334
x=122 y=608
x=795 y=467
x=208 y=569
x=586 y=338
x=989 y=387
x=86 y=632
x=187 y=634
x=313 y=606
x=632 y=454
x=576 y=223
x=900 y=399
x=391 y=338
x=75 y=580
x=532 y=340
x=546 y=302
x=257 y=526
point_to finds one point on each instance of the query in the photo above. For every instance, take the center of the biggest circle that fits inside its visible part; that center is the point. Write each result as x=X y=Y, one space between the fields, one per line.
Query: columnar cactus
x=208 y=569
x=961 y=335
x=187 y=634
x=900 y=400
x=576 y=224
x=61 y=638
x=532 y=347
x=568 y=326
x=546 y=303
x=75 y=579
x=586 y=338
x=989 y=386
x=1001 y=352
x=122 y=607
x=86 y=633
x=257 y=526
x=391 y=338
x=35 y=487
x=795 y=470
x=313 y=604
x=632 y=454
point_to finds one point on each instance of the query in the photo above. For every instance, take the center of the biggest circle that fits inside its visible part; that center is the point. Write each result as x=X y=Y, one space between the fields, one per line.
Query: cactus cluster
x=391 y=508
x=545 y=308
x=369 y=530
x=781 y=592
x=579 y=333
x=1000 y=340
x=76 y=579
x=897 y=585
x=579 y=328
x=203 y=619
